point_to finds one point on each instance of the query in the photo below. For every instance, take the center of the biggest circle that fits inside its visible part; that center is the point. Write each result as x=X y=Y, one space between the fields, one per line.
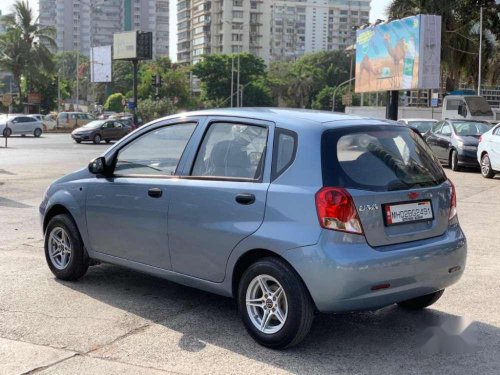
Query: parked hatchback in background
x=488 y=152
x=72 y=119
x=423 y=125
x=20 y=125
x=101 y=130
x=454 y=142
x=289 y=211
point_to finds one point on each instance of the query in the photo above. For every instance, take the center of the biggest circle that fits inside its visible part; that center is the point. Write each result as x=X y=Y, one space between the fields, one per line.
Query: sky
x=377 y=11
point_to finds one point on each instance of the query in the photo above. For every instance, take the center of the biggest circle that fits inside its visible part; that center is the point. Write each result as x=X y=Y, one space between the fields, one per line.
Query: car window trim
x=116 y=152
x=248 y=122
x=277 y=132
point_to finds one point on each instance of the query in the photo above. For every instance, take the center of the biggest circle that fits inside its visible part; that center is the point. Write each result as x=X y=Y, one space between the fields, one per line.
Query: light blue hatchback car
x=289 y=211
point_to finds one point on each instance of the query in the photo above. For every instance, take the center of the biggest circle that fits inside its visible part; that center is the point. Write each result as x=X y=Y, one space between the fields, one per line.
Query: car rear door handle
x=155 y=192
x=245 y=198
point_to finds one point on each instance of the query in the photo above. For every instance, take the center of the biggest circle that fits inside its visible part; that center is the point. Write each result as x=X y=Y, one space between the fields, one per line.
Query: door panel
x=124 y=221
x=221 y=200
x=205 y=223
x=127 y=214
x=494 y=146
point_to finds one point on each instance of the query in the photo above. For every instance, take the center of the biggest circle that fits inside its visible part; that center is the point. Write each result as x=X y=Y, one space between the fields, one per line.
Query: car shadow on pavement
x=390 y=340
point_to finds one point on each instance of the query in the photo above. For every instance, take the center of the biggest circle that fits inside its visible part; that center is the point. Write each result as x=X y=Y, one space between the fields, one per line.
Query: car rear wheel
x=486 y=170
x=108 y=140
x=38 y=132
x=274 y=304
x=64 y=251
x=454 y=161
x=421 y=302
x=97 y=139
x=7 y=132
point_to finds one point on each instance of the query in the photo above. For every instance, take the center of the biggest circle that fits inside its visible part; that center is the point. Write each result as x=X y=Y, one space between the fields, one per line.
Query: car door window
x=232 y=150
x=445 y=130
x=155 y=153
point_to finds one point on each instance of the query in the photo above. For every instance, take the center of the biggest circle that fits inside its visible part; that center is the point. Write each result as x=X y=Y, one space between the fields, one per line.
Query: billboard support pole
x=135 y=62
x=391 y=109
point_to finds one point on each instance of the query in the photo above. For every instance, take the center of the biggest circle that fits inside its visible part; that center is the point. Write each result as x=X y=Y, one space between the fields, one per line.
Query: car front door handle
x=245 y=198
x=155 y=192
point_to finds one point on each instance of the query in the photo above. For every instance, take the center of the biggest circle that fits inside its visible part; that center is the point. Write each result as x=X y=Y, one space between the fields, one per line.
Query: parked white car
x=423 y=125
x=20 y=124
x=488 y=152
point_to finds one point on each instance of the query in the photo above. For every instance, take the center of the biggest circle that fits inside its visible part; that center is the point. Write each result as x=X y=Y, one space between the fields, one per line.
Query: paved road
x=119 y=321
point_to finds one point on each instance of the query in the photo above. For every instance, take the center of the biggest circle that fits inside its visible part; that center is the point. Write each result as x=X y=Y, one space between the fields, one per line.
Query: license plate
x=412 y=212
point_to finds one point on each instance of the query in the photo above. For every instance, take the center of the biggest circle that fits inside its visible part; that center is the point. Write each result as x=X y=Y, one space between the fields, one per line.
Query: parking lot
x=118 y=321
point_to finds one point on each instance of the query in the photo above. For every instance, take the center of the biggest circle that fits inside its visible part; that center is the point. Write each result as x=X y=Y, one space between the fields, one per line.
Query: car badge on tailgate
x=368 y=207
x=413 y=195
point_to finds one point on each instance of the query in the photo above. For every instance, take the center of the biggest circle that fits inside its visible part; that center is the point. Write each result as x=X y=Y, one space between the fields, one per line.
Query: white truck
x=468 y=107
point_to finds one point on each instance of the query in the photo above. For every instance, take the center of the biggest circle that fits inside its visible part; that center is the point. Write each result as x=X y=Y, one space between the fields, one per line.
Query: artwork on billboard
x=400 y=55
x=100 y=64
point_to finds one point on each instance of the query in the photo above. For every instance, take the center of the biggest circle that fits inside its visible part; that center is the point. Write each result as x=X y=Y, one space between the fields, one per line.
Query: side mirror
x=98 y=165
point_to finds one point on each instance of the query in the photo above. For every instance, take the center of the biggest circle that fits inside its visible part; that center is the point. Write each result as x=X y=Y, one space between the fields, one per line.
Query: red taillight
x=336 y=210
x=480 y=138
x=453 y=201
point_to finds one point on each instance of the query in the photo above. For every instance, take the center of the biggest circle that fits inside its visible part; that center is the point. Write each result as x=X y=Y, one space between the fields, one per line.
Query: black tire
x=486 y=170
x=108 y=140
x=78 y=264
x=78 y=141
x=454 y=161
x=7 y=132
x=421 y=302
x=300 y=305
x=37 y=133
x=97 y=139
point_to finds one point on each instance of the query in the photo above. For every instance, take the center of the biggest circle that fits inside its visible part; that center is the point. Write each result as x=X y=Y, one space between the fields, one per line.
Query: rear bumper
x=467 y=158
x=341 y=269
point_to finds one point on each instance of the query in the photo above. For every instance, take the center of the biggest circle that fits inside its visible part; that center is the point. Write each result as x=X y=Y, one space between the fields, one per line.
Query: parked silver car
x=20 y=125
x=288 y=211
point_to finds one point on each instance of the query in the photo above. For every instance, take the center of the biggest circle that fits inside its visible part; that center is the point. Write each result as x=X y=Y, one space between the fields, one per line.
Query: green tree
x=323 y=100
x=25 y=46
x=214 y=72
x=459 y=34
x=114 y=102
x=151 y=109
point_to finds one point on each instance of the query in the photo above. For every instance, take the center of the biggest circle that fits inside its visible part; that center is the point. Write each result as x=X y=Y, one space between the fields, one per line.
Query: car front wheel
x=97 y=139
x=454 y=161
x=421 y=302
x=486 y=170
x=64 y=251
x=274 y=304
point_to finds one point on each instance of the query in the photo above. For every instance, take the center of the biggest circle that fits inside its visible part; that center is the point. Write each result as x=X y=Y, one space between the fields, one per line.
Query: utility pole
x=78 y=66
x=232 y=79
x=480 y=50
x=238 y=84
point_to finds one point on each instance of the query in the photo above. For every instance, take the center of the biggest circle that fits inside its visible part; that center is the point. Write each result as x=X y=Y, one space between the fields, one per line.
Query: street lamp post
x=480 y=50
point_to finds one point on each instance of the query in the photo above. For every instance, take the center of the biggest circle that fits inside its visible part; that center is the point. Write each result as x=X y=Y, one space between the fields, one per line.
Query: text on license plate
x=408 y=212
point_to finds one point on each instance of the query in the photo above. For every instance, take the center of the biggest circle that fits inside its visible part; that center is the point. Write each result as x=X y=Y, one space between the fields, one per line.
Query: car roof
x=468 y=120
x=289 y=116
x=420 y=119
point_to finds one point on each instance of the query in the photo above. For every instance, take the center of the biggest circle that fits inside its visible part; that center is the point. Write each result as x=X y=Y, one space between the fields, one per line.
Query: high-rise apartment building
x=271 y=29
x=82 y=24
x=305 y=26
x=219 y=26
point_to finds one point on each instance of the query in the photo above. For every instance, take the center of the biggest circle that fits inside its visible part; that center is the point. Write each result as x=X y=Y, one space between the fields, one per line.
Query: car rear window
x=378 y=158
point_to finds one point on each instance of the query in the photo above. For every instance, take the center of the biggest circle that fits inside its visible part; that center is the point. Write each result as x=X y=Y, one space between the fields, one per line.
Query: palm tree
x=25 y=47
x=459 y=34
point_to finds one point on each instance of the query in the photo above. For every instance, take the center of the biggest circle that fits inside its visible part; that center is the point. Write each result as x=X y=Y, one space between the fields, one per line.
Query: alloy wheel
x=267 y=304
x=485 y=165
x=60 y=249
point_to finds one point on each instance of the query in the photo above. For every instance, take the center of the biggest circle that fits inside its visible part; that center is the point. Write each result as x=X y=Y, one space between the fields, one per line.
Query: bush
x=152 y=109
x=114 y=102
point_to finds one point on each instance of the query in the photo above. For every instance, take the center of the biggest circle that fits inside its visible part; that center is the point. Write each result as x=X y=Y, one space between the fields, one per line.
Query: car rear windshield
x=378 y=158
x=421 y=126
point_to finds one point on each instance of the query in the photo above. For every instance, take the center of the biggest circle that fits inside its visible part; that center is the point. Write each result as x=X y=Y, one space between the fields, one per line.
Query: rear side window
x=232 y=151
x=379 y=159
x=285 y=148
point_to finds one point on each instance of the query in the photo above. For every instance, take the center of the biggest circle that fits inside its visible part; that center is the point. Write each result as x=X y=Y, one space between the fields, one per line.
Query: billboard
x=125 y=45
x=403 y=54
x=100 y=64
